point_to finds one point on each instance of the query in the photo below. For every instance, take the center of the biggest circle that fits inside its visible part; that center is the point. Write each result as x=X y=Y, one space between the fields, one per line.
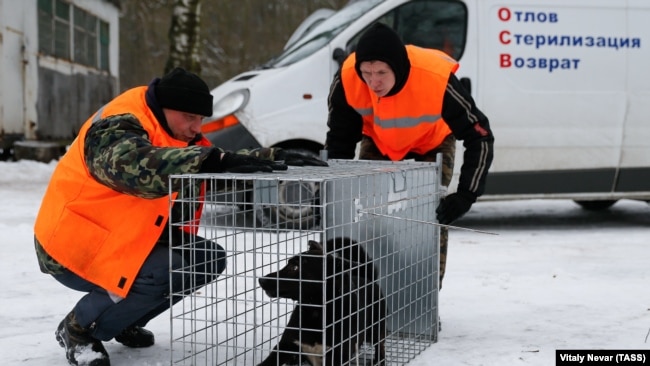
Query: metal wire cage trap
x=370 y=296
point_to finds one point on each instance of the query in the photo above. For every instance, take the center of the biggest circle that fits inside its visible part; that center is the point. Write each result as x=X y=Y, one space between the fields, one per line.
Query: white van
x=564 y=83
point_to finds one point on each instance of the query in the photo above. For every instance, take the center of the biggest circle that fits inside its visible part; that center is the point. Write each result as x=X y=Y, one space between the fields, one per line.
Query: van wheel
x=298 y=200
x=297 y=207
x=596 y=205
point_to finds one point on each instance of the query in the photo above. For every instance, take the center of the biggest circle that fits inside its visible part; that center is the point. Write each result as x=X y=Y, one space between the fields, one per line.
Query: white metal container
x=388 y=208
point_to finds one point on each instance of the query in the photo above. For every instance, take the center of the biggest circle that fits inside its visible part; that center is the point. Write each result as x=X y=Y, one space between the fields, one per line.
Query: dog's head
x=302 y=278
x=302 y=275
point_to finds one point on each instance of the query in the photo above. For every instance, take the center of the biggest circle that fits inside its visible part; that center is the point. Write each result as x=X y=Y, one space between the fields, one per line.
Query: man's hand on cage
x=298 y=159
x=281 y=155
x=237 y=163
x=455 y=205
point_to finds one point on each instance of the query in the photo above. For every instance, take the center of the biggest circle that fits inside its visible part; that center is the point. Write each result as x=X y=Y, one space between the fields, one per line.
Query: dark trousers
x=106 y=316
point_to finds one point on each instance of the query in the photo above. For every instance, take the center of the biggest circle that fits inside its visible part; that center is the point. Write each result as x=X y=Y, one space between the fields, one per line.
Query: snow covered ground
x=555 y=277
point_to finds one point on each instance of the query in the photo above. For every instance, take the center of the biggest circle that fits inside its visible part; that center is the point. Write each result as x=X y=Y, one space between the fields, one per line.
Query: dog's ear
x=315 y=246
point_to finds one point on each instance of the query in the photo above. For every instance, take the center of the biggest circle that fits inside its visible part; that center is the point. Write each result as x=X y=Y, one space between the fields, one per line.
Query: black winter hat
x=184 y=91
x=381 y=43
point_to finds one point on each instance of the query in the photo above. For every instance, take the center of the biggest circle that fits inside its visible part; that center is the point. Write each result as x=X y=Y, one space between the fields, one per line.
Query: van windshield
x=322 y=33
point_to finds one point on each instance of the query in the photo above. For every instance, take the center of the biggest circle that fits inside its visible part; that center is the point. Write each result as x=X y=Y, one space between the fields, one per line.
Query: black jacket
x=459 y=111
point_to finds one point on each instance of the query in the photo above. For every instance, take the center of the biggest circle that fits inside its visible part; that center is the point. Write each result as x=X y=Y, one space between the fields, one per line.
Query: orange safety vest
x=102 y=235
x=411 y=120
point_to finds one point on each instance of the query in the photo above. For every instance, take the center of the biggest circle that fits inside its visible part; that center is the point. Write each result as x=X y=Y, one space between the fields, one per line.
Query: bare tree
x=143 y=40
x=184 y=36
x=234 y=35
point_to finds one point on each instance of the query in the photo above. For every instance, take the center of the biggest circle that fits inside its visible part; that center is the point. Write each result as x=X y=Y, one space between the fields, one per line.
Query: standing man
x=103 y=225
x=404 y=102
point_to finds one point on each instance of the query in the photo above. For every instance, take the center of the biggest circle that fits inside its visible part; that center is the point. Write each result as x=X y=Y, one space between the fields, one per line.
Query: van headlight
x=230 y=104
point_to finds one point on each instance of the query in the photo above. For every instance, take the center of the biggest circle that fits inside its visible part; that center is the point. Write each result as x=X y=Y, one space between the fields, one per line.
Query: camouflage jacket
x=121 y=141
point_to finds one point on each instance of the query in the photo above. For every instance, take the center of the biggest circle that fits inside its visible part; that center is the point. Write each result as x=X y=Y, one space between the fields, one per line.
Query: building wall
x=66 y=100
x=13 y=70
x=42 y=97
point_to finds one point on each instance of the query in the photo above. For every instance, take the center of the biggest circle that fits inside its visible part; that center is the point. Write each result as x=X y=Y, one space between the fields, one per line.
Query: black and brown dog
x=353 y=310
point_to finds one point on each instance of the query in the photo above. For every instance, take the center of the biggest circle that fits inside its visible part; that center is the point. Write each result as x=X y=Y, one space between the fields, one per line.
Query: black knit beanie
x=381 y=43
x=184 y=91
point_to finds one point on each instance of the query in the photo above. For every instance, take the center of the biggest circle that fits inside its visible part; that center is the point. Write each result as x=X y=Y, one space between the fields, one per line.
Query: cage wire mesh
x=346 y=254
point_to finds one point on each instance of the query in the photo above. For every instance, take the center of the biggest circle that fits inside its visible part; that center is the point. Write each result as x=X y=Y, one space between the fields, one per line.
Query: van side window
x=439 y=24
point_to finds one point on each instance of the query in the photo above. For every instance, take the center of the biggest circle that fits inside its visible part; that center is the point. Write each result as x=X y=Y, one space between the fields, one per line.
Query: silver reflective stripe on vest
x=364 y=111
x=98 y=114
x=405 y=122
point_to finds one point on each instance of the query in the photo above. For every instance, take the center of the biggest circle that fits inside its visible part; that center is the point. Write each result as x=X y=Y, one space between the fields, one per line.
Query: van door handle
x=467 y=84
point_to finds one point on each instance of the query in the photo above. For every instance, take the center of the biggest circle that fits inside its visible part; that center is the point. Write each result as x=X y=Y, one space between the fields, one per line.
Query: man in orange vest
x=102 y=227
x=404 y=102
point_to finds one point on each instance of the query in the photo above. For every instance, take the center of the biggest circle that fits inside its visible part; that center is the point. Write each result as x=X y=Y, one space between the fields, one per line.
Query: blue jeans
x=149 y=295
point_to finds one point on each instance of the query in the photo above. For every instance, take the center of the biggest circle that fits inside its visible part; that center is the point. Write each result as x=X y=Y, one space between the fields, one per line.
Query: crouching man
x=103 y=225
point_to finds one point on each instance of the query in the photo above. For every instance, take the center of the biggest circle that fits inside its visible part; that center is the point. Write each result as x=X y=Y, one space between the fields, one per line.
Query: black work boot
x=81 y=348
x=135 y=337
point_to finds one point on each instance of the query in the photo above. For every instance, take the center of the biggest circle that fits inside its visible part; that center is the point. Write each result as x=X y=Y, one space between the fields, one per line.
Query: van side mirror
x=467 y=84
x=339 y=56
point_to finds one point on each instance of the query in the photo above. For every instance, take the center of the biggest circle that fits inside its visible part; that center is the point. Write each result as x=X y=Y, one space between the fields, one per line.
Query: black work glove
x=455 y=205
x=237 y=163
x=298 y=159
